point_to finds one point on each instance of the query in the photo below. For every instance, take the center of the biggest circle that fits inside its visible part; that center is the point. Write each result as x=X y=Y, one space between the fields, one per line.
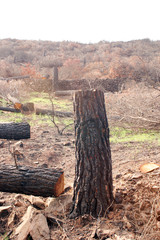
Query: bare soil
x=136 y=194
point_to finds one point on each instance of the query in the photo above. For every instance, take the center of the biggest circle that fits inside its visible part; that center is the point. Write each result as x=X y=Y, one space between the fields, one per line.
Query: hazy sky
x=80 y=20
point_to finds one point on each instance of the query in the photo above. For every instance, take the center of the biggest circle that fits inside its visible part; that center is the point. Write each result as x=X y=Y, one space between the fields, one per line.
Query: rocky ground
x=135 y=213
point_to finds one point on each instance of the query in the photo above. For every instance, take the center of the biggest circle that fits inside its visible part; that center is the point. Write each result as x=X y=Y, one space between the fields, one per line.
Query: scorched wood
x=14 y=131
x=7 y=109
x=93 y=174
x=35 y=181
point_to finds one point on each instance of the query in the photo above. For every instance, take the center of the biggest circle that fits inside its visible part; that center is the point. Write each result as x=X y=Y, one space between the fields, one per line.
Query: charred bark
x=35 y=181
x=14 y=130
x=7 y=109
x=93 y=174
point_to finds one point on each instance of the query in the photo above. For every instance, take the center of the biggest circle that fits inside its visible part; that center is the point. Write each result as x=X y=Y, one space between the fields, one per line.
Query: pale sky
x=85 y=21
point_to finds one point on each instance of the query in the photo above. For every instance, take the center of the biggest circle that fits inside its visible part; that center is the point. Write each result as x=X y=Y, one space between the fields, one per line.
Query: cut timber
x=64 y=93
x=14 y=130
x=93 y=190
x=7 y=109
x=50 y=112
x=18 y=107
x=32 y=181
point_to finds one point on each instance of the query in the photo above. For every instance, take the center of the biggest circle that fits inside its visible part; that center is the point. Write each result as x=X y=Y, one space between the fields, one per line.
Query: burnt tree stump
x=14 y=131
x=93 y=173
x=35 y=181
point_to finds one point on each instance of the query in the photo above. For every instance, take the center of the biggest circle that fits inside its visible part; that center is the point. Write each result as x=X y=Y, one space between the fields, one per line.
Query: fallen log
x=18 y=107
x=15 y=78
x=14 y=130
x=32 y=181
x=69 y=93
x=55 y=113
x=7 y=109
x=38 y=111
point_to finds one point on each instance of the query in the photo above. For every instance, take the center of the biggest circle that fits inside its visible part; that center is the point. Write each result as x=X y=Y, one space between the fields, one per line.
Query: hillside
x=138 y=60
x=134 y=122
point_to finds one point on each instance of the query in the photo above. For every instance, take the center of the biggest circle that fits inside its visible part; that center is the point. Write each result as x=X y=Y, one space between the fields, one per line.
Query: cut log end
x=59 y=186
x=18 y=106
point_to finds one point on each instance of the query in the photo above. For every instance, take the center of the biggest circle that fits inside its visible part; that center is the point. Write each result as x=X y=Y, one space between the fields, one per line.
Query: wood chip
x=148 y=167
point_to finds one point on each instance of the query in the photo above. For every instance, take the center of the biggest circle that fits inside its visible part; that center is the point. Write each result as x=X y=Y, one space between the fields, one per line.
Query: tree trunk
x=14 y=131
x=35 y=181
x=93 y=174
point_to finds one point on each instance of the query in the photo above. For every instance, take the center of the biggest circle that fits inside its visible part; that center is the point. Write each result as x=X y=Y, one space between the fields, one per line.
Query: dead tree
x=55 y=78
x=55 y=64
x=93 y=173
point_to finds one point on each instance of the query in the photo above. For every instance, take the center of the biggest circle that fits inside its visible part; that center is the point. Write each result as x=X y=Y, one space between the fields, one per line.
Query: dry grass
x=14 y=88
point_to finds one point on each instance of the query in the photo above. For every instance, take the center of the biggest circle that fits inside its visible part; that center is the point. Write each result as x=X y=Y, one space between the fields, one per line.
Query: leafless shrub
x=22 y=57
x=14 y=88
x=52 y=118
x=8 y=70
x=5 y=52
x=136 y=107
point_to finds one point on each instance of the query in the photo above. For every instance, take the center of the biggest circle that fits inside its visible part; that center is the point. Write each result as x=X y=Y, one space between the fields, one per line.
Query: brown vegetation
x=136 y=107
x=137 y=60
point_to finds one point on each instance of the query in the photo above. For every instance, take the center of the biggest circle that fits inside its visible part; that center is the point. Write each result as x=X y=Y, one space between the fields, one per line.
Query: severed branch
x=40 y=111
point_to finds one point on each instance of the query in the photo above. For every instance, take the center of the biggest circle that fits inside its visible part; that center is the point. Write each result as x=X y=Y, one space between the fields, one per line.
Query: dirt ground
x=134 y=214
